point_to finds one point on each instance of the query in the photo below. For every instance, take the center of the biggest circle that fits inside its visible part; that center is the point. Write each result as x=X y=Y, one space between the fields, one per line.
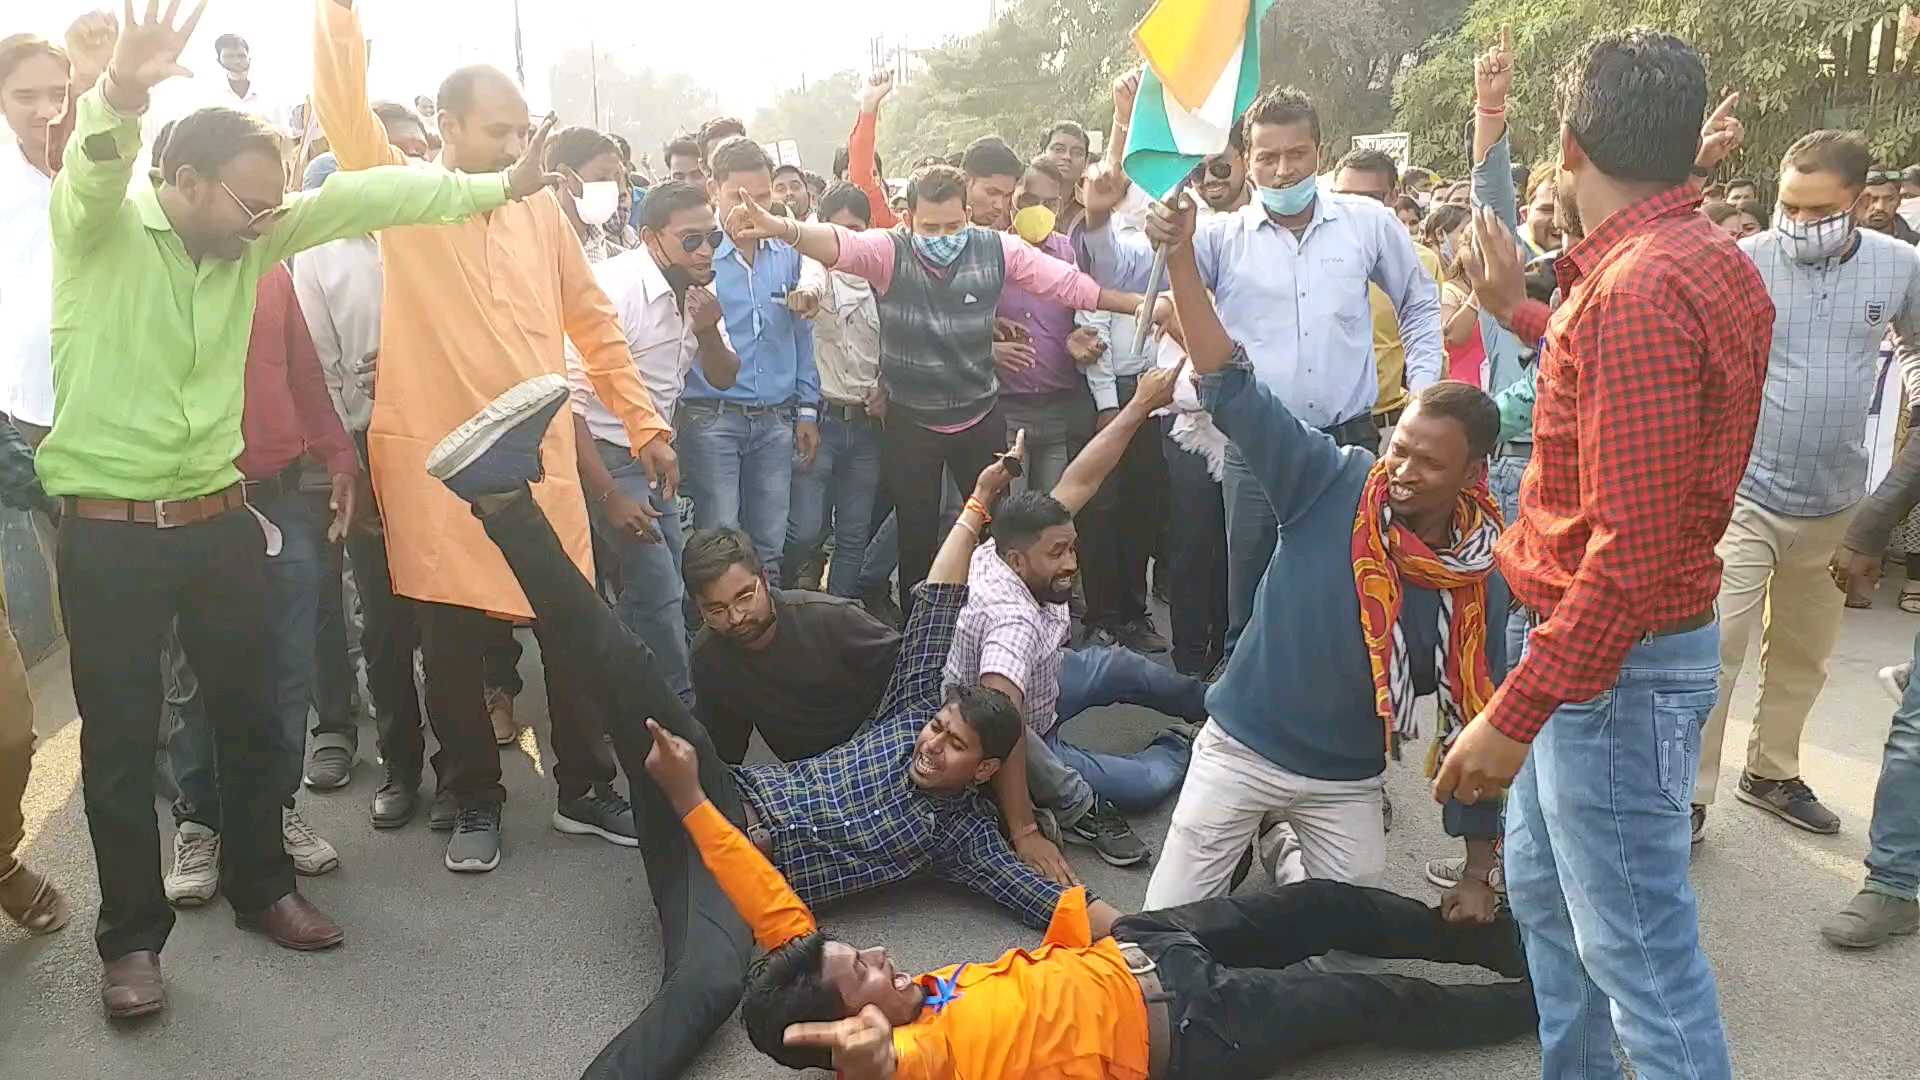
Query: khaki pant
x=1775 y=578
x=16 y=738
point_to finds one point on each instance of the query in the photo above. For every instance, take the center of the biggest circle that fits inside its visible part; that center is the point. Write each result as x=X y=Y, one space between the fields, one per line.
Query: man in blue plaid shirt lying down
x=901 y=800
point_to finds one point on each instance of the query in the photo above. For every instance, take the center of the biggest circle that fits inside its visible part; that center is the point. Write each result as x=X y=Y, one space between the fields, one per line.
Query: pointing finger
x=1506 y=40
x=1725 y=110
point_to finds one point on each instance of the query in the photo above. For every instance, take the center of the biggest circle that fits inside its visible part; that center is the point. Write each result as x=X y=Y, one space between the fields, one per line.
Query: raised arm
x=860 y=144
x=1090 y=467
x=357 y=137
x=354 y=204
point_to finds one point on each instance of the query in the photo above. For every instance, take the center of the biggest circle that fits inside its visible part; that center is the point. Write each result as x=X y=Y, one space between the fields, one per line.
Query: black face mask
x=679 y=278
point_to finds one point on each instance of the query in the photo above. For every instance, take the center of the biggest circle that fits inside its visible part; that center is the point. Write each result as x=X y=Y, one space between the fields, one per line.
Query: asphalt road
x=525 y=972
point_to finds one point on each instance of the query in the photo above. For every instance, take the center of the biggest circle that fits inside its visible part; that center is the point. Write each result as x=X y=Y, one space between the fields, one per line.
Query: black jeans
x=1243 y=1005
x=910 y=460
x=455 y=644
x=1124 y=522
x=388 y=636
x=1197 y=554
x=121 y=586
x=707 y=944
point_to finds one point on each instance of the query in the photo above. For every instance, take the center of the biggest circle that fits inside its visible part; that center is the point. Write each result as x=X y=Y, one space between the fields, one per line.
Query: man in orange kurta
x=471 y=311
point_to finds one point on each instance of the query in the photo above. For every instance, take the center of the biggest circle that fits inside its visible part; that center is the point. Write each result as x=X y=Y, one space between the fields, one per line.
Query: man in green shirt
x=154 y=293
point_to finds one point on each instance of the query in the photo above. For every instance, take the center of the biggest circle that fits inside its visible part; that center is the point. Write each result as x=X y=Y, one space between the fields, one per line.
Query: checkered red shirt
x=1649 y=390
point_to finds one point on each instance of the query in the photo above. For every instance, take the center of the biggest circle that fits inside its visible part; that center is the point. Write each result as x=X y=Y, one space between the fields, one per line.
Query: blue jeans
x=293 y=606
x=650 y=587
x=1110 y=675
x=841 y=480
x=1503 y=480
x=1252 y=532
x=883 y=551
x=1893 y=852
x=1596 y=864
x=739 y=471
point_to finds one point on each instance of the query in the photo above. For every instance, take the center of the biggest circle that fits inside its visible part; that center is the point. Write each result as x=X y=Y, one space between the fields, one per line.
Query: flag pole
x=1143 y=328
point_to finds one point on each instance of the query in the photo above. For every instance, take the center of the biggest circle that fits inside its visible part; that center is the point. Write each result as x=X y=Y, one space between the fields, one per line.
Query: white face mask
x=597 y=201
x=1814 y=241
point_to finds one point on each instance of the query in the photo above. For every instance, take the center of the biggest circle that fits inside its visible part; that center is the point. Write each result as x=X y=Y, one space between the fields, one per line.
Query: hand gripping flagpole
x=1144 y=329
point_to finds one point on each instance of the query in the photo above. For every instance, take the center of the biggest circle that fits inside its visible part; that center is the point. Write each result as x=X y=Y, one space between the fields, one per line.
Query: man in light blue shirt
x=1289 y=274
x=739 y=446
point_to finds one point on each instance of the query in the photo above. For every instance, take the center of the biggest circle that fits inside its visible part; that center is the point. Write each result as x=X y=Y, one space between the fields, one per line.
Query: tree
x=817 y=118
x=644 y=107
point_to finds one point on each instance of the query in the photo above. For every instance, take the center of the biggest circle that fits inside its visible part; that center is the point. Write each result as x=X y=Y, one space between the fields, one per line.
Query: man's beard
x=1566 y=212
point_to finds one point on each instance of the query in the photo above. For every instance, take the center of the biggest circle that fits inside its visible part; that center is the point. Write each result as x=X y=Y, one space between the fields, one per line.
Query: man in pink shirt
x=937 y=286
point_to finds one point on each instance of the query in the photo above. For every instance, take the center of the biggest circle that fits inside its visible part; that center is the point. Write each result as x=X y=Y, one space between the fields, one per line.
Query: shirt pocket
x=1678 y=716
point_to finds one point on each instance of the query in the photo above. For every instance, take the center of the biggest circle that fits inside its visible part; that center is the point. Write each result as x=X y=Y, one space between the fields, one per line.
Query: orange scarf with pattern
x=1386 y=551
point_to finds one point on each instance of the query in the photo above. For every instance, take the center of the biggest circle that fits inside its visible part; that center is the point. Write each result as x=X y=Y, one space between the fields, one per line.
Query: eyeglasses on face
x=694 y=241
x=255 y=218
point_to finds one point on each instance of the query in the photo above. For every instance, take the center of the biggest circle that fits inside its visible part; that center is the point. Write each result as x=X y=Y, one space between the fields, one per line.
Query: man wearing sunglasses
x=671 y=320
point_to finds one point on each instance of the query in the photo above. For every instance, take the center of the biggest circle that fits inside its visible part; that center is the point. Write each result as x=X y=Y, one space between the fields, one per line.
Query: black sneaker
x=1792 y=801
x=1140 y=636
x=329 y=768
x=498 y=450
x=1699 y=822
x=474 y=847
x=598 y=813
x=1108 y=834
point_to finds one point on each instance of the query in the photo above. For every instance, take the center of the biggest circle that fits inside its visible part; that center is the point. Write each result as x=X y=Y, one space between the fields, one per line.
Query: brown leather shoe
x=130 y=986
x=293 y=922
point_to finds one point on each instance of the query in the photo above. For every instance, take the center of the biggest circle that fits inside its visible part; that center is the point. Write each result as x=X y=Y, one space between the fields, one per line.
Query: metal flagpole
x=519 y=47
x=1144 y=325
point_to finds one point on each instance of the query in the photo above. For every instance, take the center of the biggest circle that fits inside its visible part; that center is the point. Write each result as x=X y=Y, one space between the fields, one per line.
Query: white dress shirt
x=1299 y=304
x=339 y=288
x=661 y=343
x=26 y=291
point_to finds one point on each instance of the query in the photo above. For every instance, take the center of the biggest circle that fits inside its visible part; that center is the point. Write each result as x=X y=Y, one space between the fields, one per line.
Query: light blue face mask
x=942 y=250
x=1292 y=199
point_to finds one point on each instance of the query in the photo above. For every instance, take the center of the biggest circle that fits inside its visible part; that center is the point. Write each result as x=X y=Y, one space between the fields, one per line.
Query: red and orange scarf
x=1385 y=551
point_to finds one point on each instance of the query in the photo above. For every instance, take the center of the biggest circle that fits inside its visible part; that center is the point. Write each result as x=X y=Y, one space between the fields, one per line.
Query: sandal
x=45 y=909
x=1859 y=603
x=1910 y=599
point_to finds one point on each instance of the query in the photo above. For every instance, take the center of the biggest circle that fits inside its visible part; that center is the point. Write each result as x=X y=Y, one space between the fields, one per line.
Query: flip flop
x=44 y=913
x=1910 y=601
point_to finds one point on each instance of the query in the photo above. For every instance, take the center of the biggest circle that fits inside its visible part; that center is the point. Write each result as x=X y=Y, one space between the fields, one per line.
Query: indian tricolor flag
x=1203 y=70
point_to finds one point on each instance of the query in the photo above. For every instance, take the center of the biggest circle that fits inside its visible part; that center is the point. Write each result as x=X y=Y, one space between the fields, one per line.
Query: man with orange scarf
x=1380 y=590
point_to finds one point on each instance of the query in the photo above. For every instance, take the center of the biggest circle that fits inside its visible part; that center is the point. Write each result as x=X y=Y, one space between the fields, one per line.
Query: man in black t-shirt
x=804 y=668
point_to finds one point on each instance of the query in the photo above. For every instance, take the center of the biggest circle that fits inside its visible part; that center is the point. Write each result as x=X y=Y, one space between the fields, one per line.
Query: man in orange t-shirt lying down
x=1213 y=989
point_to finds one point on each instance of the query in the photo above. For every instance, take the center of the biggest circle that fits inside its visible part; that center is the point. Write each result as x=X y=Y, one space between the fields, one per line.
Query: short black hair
x=1045 y=167
x=1634 y=100
x=666 y=200
x=626 y=148
x=209 y=138
x=1282 y=105
x=989 y=155
x=792 y=168
x=1070 y=128
x=936 y=184
x=229 y=41
x=1467 y=404
x=680 y=146
x=712 y=552
x=1845 y=154
x=1369 y=160
x=738 y=154
x=575 y=145
x=1406 y=202
x=160 y=142
x=841 y=163
x=785 y=987
x=992 y=716
x=456 y=90
x=393 y=112
x=845 y=196
x=816 y=184
x=1911 y=175
x=718 y=128
x=1741 y=181
x=1020 y=519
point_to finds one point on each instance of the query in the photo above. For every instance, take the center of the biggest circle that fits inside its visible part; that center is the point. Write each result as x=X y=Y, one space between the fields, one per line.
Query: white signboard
x=1397 y=144
x=784 y=152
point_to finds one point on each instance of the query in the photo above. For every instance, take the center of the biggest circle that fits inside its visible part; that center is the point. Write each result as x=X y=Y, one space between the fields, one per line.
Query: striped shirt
x=1809 y=454
x=1005 y=631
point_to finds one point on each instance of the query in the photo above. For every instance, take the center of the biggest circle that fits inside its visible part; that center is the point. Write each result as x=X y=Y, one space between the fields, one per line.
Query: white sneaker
x=312 y=856
x=195 y=876
x=1893 y=680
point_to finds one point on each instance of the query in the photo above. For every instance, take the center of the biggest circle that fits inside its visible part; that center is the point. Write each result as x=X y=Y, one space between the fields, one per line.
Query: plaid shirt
x=852 y=819
x=1649 y=390
x=1004 y=631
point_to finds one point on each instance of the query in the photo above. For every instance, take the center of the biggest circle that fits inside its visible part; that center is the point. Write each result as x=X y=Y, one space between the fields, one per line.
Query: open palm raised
x=148 y=52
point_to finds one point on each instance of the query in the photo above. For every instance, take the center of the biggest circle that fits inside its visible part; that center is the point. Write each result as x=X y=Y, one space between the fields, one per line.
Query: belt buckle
x=160 y=515
x=1138 y=962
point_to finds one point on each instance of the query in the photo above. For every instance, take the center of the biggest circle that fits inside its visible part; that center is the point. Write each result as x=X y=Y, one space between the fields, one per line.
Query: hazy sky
x=746 y=50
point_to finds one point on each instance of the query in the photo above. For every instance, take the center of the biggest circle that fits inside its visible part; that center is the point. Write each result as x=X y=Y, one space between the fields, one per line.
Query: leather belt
x=722 y=407
x=1682 y=625
x=1355 y=431
x=1390 y=417
x=757 y=832
x=847 y=413
x=162 y=513
x=1159 y=1022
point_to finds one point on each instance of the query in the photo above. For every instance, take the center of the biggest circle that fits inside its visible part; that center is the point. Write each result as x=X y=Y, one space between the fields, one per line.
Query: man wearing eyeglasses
x=671 y=320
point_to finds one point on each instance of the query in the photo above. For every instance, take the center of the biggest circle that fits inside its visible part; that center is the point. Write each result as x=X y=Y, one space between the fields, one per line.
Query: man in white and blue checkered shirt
x=1838 y=291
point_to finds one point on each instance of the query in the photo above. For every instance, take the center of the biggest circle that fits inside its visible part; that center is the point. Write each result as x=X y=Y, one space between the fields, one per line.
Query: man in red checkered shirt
x=1648 y=393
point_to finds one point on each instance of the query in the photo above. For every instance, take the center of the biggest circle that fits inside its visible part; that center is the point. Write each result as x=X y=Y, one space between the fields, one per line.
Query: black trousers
x=455 y=644
x=707 y=945
x=388 y=636
x=1197 y=556
x=121 y=586
x=910 y=459
x=1244 y=1005
x=1124 y=520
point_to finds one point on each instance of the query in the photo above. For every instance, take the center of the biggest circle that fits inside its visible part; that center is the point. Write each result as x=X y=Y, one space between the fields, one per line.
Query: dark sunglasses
x=1219 y=168
x=1010 y=463
x=693 y=242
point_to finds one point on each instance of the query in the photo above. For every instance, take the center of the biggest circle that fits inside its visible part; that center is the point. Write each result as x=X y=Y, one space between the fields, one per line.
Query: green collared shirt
x=149 y=349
